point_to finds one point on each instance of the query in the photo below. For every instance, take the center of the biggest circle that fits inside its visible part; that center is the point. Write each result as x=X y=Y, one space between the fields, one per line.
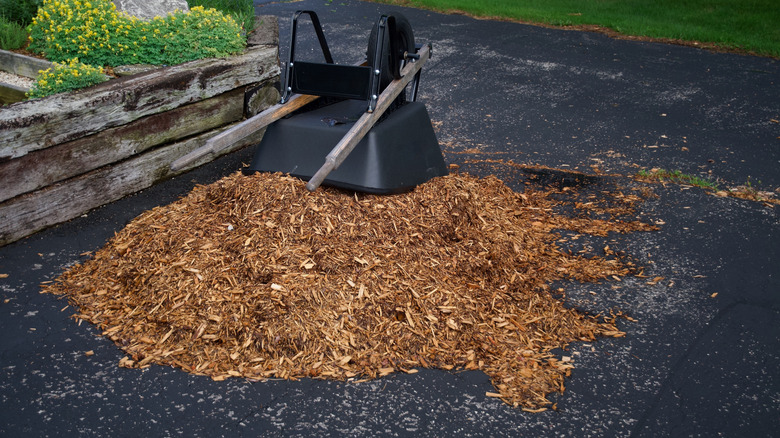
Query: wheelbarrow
x=367 y=120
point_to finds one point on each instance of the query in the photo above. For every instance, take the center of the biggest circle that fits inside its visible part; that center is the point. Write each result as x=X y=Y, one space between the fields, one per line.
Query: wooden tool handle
x=226 y=138
x=339 y=153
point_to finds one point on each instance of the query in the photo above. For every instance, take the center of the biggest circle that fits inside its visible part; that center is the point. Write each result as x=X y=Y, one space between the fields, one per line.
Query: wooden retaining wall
x=65 y=154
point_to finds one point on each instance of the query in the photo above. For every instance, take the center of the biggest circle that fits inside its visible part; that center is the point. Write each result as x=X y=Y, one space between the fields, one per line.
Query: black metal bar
x=416 y=81
x=287 y=87
x=414 y=85
x=320 y=36
x=376 y=69
x=395 y=62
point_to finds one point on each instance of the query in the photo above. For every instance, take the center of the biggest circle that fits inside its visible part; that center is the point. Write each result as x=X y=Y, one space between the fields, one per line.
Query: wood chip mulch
x=255 y=277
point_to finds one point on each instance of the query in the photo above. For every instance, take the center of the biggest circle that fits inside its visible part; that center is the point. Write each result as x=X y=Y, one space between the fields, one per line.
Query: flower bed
x=65 y=154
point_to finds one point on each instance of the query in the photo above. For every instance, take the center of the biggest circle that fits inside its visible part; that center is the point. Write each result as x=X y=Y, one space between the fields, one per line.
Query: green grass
x=678 y=177
x=243 y=11
x=12 y=35
x=751 y=26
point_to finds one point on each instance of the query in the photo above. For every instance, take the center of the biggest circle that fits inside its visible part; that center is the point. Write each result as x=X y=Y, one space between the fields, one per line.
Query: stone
x=15 y=80
x=148 y=9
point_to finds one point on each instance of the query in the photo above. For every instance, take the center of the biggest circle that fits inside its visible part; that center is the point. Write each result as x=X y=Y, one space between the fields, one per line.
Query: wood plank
x=48 y=166
x=10 y=93
x=37 y=124
x=22 y=65
x=24 y=215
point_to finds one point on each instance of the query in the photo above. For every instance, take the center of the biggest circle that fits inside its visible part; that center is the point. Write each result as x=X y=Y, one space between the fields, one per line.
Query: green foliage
x=66 y=77
x=12 y=35
x=20 y=12
x=94 y=32
x=243 y=11
x=181 y=37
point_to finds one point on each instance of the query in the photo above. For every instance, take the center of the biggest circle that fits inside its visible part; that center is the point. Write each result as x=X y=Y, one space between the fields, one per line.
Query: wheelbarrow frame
x=298 y=90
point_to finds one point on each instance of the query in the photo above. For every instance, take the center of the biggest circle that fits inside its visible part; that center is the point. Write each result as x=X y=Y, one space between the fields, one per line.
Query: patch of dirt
x=255 y=277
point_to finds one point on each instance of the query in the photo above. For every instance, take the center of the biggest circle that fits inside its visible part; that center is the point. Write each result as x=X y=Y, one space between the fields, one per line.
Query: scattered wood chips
x=255 y=277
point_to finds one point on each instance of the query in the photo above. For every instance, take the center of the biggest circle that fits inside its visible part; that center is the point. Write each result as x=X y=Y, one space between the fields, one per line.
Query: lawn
x=750 y=26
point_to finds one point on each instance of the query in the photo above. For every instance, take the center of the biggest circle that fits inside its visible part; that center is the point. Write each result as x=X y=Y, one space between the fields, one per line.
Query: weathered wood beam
x=47 y=166
x=124 y=100
x=22 y=65
x=26 y=214
x=10 y=93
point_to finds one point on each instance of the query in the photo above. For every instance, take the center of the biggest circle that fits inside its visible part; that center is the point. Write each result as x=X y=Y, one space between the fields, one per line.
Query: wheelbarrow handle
x=340 y=152
x=230 y=136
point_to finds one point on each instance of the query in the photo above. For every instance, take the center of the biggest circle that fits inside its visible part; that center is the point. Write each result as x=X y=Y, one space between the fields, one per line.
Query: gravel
x=19 y=81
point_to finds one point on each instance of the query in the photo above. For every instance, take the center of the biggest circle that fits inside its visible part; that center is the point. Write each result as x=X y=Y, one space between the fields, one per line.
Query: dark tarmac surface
x=702 y=358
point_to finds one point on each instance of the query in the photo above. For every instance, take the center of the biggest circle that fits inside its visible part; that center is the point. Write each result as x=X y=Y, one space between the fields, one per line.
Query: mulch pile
x=255 y=277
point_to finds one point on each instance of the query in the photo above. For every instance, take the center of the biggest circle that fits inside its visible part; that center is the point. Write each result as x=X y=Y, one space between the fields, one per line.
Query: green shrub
x=94 y=32
x=12 y=34
x=66 y=77
x=181 y=37
x=20 y=12
x=227 y=6
x=243 y=11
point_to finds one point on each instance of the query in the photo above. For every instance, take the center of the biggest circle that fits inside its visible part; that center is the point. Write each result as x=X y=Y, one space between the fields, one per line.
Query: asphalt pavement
x=702 y=357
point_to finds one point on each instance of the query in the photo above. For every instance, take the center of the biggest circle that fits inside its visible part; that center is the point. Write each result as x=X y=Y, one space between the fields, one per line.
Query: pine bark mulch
x=255 y=277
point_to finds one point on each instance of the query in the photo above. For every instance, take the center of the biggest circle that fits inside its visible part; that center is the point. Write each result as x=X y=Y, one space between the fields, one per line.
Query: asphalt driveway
x=702 y=357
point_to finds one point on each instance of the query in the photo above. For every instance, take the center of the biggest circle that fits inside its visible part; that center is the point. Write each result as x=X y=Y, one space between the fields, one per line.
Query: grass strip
x=678 y=177
x=747 y=26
